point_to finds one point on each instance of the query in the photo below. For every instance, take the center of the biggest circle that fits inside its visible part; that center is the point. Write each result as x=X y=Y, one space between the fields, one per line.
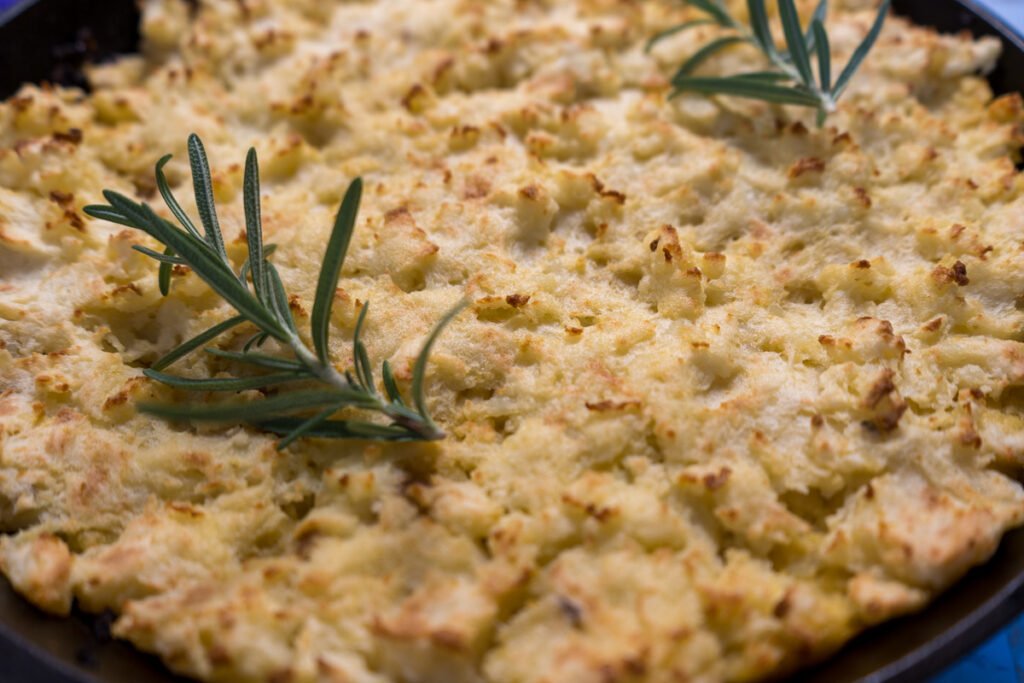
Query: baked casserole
x=732 y=386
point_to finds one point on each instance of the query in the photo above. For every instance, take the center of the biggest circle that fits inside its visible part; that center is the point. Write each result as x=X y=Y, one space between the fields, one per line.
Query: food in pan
x=731 y=385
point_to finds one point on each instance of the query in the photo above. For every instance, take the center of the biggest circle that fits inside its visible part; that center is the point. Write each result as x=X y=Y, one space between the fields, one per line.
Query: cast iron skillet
x=51 y=39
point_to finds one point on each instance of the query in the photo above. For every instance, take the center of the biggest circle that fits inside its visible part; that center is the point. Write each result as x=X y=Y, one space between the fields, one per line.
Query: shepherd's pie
x=732 y=387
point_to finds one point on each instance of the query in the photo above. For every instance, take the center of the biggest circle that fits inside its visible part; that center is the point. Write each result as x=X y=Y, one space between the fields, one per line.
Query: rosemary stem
x=329 y=375
x=826 y=103
x=324 y=371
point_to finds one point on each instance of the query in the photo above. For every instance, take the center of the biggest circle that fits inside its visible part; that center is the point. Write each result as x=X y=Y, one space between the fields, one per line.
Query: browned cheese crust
x=732 y=387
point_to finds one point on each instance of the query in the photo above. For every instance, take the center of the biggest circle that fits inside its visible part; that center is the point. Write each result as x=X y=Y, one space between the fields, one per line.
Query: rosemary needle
x=790 y=78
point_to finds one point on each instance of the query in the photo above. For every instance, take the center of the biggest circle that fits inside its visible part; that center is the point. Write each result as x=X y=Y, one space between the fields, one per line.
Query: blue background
x=1001 y=660
x=1012 y=10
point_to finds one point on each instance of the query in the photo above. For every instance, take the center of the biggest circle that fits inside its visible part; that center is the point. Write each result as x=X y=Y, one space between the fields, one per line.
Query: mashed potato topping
x=732 y=387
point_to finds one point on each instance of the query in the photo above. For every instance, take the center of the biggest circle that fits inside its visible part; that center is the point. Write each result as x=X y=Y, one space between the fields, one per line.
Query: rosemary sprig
x=266 y=307
x=791 y=78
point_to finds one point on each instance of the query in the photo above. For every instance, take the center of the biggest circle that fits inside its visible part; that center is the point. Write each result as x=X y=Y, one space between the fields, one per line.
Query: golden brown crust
x=732 y=387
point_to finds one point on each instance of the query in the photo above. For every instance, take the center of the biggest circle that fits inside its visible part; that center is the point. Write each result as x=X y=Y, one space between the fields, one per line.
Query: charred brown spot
x=295 y=304
x=493 y=46
x=530 y=192
x=305 y=541
x=889 y=419
x=635 y=665
x=885 y=403
x=960 y=274
x=118 y=399
x=572 y=611
x=882 y=387
x=218 y=655
x=448 y=639
x=806 y=165
x=955 y=275
x=64 y=199
x=969 y=437
x=442 y=68
x=615 y=196
x=599 y=188
x=842 y=139
x=863 y=264
x=282 y=676
x=783 y=606
x=74 y=220
x=716 y=480
x=517 y=300
x=304 y=104
x=608 y=406
x=415 y=94
x=465 y=131
x=130 y=287
x=598 y=512
x=72 y=135
x=396 y=214
x=21 y=103
x=54 y=384
x=862 y=197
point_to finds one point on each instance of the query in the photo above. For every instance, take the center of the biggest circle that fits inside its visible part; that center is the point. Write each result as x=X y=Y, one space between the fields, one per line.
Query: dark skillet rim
x=952 y=625
x=960 y=639
x=1001 y=26
x=992 y=612
x=22 y=651
x=13 y=11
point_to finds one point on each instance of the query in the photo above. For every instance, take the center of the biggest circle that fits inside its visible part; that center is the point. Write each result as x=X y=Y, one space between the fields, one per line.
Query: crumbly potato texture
x=732 y=387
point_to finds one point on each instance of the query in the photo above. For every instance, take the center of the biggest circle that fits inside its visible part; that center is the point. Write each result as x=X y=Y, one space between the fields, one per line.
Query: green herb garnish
x=292 y=414
x=791 y=78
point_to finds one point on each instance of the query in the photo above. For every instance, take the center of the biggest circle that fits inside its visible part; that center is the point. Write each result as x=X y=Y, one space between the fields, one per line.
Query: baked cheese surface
x=731 y=388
